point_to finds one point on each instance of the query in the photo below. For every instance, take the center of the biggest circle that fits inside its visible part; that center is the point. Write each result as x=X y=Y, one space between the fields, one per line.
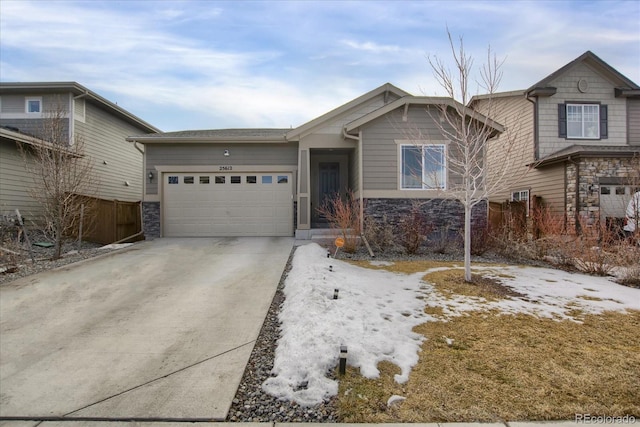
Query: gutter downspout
x=536 y=141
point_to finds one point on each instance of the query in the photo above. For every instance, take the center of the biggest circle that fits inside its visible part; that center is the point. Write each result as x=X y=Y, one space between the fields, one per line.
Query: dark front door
x=329 y=180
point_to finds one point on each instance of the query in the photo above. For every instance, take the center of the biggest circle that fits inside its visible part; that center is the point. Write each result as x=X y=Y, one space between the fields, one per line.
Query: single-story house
x=270 y=182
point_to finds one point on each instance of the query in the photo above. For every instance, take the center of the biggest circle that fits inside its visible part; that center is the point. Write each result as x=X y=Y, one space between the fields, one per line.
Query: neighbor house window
x=521 y=196
x=582 y=121
x=33 y=105
x=423 y=166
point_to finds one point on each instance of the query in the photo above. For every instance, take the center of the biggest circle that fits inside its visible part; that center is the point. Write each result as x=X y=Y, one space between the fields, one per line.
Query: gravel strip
x=25 y=267
x=251 y=404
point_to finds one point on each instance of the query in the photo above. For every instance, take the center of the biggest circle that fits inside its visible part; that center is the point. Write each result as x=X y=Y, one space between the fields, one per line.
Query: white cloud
x=245 y=64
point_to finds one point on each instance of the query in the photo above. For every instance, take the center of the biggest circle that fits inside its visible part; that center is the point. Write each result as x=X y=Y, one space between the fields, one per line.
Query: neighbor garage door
x=230 y=204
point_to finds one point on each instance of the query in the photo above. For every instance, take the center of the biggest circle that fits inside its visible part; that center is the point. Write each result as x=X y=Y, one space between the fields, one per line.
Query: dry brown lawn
x=505 y=367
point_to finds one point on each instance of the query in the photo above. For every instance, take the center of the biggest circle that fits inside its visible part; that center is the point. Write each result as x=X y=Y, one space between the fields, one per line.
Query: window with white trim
x=423 y=167
x=521 y=196
x=33 y=105
x=583 y=121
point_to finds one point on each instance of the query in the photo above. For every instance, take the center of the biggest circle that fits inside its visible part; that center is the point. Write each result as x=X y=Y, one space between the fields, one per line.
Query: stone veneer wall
x=151 y=219
x=591 y=171
x=443 y=214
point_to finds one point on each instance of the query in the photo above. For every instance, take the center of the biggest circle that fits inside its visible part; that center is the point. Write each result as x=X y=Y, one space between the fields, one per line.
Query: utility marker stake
x=335 y=293
x=343 y=360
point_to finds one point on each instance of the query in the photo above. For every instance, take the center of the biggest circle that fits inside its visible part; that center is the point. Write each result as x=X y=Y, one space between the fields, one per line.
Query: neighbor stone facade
x=584 y=196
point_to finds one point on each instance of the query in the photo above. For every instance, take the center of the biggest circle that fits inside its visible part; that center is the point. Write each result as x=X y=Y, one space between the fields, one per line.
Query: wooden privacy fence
x=110 y=221
x=511 y=216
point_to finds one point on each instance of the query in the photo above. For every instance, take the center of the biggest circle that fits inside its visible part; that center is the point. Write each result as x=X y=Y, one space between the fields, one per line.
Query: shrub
x=414 y=230
x=379 y=235
x=343 y=213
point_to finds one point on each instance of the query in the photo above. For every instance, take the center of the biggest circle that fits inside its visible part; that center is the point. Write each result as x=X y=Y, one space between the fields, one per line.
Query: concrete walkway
x=161 y=331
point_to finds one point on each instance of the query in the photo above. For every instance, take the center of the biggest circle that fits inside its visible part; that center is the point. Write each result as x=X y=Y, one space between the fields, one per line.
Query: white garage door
x=229 y=204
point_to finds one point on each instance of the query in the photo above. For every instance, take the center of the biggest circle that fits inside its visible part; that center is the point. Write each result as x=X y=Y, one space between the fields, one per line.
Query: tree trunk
x=467 y=242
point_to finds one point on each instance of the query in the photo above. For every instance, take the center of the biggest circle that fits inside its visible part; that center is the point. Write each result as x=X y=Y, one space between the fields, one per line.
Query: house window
x=236 y=180
x=188 y=180
x=33 y=105
x=283 y=179
x=423 y=166
x=521 y=196
x=173 y=179
x=204 y=180
x=582 y=121
x=267 y=179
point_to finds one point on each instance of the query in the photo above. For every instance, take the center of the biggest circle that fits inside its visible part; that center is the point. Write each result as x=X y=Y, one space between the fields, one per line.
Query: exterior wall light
x=150 y=175
x=226 y=153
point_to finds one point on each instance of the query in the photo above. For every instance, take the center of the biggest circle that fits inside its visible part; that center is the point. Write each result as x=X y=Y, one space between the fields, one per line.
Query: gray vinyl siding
x=15 y=183
x=513 y=150
x=633 y=121
x=354 y=169
x=14 y=113
x=548 y=183
x=379 y=148
x=34 y=127
x=600 y=90
x=336 y=126
x=213 y=154
x=115 y=161
x=12 y=104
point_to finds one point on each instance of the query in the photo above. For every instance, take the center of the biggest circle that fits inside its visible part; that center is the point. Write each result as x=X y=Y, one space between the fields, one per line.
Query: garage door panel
x=257 y=206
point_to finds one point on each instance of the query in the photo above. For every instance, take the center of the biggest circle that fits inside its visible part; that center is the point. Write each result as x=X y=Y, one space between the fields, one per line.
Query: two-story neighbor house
x=103 y=126
x=270 y=182
x=580 y=128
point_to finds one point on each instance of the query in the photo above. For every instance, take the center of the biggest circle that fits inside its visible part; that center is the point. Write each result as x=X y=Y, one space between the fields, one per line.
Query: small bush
x=379 y=235
x=343 y=213
x=414 y=230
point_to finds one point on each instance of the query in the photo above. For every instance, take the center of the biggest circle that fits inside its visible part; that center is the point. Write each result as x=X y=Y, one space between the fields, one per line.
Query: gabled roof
x=385 y=88
x=214 y=135
x=497 y=95
x=422 y=100
x=78 y=90
x=595 y=62
x=578 y=150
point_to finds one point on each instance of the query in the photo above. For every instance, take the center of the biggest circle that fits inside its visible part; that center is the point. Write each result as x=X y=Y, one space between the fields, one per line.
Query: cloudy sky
x=207 y=64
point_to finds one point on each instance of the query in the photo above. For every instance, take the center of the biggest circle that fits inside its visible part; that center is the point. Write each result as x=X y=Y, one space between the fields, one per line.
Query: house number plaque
x=226 y=168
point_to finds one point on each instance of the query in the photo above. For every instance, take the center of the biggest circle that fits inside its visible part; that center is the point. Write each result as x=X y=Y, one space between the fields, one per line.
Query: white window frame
x=583 y=132
x=423 y=178
x=29 y=99
x=519 y=198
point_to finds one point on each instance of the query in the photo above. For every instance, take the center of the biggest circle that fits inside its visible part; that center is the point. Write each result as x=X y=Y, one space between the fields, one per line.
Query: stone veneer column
x=151 y=219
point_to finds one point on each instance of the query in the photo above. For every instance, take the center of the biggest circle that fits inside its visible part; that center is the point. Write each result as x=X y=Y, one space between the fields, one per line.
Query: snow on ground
x=376 y=311
x=116 y=246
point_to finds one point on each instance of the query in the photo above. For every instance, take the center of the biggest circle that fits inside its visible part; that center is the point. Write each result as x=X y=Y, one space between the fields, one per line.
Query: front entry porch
x=328 y=174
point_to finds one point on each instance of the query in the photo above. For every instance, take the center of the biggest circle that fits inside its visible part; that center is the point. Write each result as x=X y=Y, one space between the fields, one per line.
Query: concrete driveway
x=160 y=331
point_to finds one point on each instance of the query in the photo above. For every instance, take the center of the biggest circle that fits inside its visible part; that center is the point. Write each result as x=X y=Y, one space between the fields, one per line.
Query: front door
x=329 y=182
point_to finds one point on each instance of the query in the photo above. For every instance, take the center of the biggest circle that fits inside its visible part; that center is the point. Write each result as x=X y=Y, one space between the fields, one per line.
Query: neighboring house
x=103 y=125
x=580 y=130
x=270 y=182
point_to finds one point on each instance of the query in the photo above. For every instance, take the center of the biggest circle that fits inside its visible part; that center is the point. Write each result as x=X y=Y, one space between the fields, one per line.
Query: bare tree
x=469 y=134
x=62 y=174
